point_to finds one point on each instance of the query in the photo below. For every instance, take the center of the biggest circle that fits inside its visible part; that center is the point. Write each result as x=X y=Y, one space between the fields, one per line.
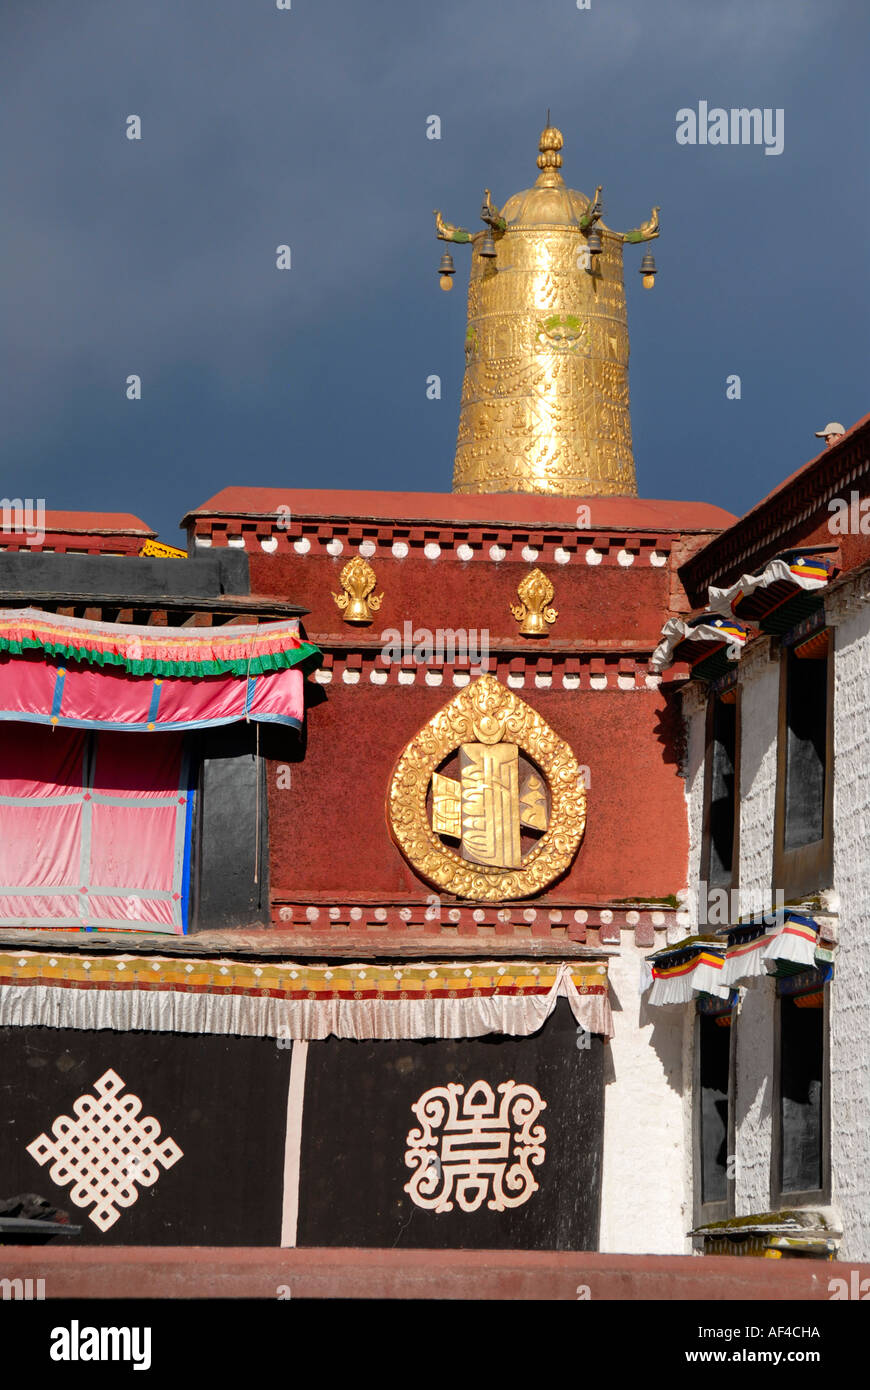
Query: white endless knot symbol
x=105 y=1151
x=465 y=1151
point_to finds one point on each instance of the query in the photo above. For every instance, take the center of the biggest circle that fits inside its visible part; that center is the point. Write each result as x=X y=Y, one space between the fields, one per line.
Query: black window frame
x=718 y=700
x=806 y=868
x=721 y=1209
x=812 y=1197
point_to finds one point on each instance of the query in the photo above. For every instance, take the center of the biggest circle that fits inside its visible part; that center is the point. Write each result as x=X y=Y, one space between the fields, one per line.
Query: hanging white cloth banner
x=304 y=1002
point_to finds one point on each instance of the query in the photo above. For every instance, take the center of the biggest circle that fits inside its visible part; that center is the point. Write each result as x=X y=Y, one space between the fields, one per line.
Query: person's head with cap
x=831 y=433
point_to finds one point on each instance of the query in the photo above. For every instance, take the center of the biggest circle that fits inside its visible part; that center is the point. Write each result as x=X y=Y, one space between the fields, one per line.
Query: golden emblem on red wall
x=358 y=601
x=486 y=801
x=533 y=612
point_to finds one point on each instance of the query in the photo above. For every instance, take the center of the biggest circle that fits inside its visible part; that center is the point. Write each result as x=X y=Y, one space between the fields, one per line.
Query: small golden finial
x=549 y=145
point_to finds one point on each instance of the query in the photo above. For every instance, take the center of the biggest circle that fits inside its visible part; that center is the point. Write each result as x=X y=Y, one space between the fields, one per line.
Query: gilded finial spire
x=545 y=396
x=549 y=145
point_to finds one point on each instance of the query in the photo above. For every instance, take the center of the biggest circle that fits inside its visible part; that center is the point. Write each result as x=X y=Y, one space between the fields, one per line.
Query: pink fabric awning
x=45 y=690
x=88 y=675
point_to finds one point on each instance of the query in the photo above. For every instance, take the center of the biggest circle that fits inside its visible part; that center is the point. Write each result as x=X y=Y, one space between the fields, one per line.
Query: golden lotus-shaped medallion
x=358 y=601
x=533 y=612
x=516 y=811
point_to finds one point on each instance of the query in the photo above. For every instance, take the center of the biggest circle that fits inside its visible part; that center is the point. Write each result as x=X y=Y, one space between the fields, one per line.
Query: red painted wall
x=601 y=604
x=329 y=839
x=328 y=830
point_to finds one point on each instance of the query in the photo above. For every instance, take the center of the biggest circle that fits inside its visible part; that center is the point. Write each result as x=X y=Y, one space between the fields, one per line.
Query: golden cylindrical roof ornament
x=545 y=395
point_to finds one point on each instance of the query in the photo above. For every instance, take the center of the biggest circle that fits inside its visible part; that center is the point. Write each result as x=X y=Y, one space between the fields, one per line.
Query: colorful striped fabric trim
x=298 y=1002
x=686 y=967
x=814 y=568
x=691 y=641
x=790 y=943
x=289 y=980
x=701 y=971
x=249 y=650
x=781 y=578
x=728 y=627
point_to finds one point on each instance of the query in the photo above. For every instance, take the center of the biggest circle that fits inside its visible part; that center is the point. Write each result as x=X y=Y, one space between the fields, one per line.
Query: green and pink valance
x=89 y=675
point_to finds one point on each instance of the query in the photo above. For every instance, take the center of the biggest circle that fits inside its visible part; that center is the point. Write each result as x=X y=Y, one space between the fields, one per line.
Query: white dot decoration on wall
x=105 y=1150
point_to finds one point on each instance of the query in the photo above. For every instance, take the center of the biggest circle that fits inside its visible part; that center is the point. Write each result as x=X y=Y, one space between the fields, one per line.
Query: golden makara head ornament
x=513 y=819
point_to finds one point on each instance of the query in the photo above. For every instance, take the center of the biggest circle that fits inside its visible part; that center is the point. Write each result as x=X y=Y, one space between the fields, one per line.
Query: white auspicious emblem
x=466 y=1143
x=105 y=1151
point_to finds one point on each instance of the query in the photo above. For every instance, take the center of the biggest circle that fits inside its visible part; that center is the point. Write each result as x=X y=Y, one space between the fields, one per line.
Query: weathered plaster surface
x=696 y=724
x=850 y=989
x=753 y=1076
x=645 y=1202
x=753 y=1096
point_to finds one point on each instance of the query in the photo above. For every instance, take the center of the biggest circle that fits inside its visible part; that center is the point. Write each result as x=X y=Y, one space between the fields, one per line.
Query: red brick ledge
x=233 y=1272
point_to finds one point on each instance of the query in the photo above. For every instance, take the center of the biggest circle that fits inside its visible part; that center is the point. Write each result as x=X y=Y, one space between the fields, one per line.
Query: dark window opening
x=801 y=1094
x=806 y=749
x=232 y=843
x=723 y=757
x=714 y=1043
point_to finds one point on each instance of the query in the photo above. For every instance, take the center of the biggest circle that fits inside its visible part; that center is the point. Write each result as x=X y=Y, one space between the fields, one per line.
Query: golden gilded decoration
x=358 y=602
x=549 y=147
x=533 y=612
x=545 y=394
x=163 y=552
x=498 y=792
x=647 y=230
x=446 y=806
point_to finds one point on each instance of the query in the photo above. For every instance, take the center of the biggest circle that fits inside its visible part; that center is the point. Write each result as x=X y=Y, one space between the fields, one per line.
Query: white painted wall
x=753 y=1060
x=695 y=715
x=754 y=1034
x=850 y=988
x=753 y=1096
x=645 y=1196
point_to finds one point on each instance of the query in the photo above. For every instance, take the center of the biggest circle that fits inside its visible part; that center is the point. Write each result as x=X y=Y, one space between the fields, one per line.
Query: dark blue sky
x=308 y=127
